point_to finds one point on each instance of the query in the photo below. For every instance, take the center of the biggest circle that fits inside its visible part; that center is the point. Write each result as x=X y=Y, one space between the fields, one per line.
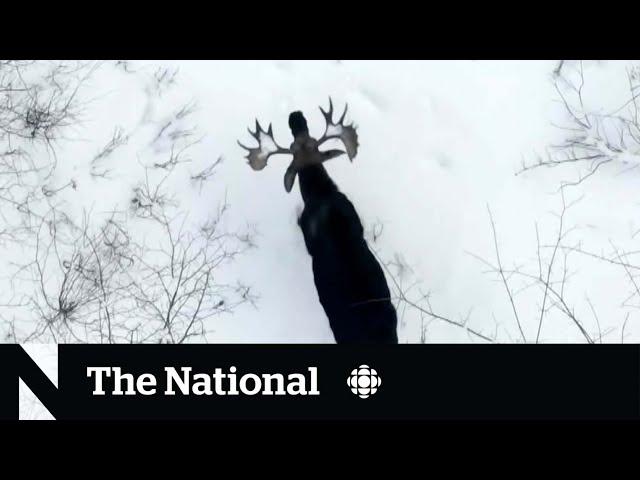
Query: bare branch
x=504 y=280
x=593 y=139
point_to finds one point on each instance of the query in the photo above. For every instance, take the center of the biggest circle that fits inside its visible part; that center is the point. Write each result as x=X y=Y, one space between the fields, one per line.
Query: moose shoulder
x=350 y=283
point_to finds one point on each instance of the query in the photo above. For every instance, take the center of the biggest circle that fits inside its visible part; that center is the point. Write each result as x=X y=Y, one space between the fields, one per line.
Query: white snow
x=440 y=141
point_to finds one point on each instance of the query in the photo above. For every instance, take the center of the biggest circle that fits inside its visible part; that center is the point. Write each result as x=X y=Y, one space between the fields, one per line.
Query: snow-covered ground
x=440 y=143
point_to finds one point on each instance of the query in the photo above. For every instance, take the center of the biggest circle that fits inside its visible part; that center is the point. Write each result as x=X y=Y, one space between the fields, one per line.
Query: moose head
x=305 y=149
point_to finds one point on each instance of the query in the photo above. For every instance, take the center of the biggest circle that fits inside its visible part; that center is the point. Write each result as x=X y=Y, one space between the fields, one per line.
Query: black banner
x=331 y=382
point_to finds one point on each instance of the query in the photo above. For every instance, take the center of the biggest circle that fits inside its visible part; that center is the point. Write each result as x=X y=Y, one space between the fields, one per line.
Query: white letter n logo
x=16 y=365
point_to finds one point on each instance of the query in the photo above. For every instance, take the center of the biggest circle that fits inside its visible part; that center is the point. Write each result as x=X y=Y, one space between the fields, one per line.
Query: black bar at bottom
x=419 y=382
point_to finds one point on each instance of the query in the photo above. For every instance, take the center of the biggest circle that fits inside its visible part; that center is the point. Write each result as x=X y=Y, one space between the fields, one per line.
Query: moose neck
x=315 y=183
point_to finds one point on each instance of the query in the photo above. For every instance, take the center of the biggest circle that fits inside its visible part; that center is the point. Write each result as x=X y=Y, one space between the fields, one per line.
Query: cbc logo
x=364 y=381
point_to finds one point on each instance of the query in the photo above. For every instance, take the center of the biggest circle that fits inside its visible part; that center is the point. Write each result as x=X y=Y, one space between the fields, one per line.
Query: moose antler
x=346 y=133
x=258 y=156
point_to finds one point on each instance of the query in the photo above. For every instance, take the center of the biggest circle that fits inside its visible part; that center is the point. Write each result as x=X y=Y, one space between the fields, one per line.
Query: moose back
x=349 y=280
